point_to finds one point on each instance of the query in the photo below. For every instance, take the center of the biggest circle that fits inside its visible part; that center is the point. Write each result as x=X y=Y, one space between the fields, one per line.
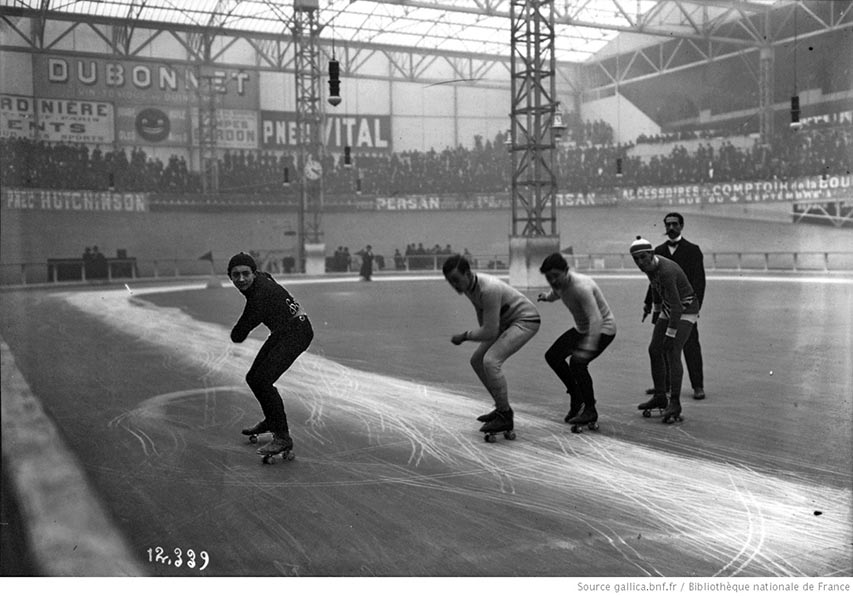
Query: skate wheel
x=491 y=438
x=576 y=429
x=647 y=413
x=288 y=456
x=253 y=439
x=593 y=426
x=509 y=435
x=267 y=459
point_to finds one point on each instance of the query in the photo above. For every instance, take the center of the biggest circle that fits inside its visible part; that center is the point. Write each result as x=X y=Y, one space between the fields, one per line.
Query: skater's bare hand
x=459 y=338
x=542 y=297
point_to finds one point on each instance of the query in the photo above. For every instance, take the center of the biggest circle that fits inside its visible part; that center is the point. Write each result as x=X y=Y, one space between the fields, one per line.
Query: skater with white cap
x=675 y=311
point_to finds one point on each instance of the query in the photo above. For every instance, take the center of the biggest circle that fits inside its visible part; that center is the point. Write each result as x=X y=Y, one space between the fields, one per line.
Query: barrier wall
x=33 y=236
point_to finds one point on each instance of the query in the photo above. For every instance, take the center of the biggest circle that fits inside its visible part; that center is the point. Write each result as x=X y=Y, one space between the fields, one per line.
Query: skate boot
x=253 y=431
x=574 y=410
x=488 y=417
x=281 y=444
x=656 y=402
x=501 y=423
x=673 y=411
x=588 y=418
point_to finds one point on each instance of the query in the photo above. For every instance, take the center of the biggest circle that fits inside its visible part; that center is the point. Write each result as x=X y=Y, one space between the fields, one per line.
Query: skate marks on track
x=646 y=512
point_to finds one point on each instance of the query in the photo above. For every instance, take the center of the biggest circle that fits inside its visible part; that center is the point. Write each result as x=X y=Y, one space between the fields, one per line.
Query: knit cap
x=641 y=245
x=242 y=258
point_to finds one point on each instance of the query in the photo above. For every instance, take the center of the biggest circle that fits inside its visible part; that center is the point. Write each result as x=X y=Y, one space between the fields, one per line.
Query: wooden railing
x=52 y=272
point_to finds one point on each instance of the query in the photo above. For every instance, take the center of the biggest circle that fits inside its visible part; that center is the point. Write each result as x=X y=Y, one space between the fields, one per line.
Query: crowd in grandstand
x=586 y=161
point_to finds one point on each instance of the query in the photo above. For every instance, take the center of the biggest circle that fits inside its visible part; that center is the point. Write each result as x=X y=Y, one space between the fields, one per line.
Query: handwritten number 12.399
x=179 y=558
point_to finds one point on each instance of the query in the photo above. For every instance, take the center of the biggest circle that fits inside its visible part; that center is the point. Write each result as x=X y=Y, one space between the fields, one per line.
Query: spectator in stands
x=399 y=261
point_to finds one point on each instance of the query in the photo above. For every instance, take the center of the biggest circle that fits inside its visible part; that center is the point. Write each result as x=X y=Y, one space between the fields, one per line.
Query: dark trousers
x=667 y=371
x=693 y=359
x=575 y=373
x=279 y=351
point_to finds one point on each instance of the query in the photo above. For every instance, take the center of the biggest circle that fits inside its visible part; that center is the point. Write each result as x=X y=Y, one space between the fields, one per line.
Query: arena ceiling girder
x=471 y=37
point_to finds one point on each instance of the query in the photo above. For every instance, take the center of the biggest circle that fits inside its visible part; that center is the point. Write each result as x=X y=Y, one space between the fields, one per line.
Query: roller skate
x=673 y=411
x=588 y=418
x=488 y=417
x=574 y=410
x=698 y=393
x=253 y=431
x=281 y=444
x=658 y=402
x=501 y=423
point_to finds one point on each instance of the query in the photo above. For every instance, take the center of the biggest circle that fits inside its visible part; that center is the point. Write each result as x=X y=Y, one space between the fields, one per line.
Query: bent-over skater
x=595 y=328
x=507 y=320
x=290 y=334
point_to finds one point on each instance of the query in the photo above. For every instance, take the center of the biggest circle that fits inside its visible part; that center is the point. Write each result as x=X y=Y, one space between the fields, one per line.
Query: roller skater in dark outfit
x=675 y=311
x=290 y=334
x=595 y=328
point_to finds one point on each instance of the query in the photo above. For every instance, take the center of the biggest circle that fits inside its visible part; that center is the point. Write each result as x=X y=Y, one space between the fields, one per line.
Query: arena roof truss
x=469 y=39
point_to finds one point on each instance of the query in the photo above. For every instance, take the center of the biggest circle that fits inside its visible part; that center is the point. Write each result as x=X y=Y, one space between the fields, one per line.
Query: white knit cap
x=641 y=245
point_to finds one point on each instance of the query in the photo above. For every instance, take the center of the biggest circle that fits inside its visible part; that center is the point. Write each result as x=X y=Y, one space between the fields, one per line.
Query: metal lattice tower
x=306 y=33
x=766 y=58
x=533 y=89
x=206 y=91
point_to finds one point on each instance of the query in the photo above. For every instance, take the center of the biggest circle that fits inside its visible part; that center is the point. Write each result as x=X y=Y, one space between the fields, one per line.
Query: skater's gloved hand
x=655 y=317
x=459 y=338
x=646 y=312
x=668 y=343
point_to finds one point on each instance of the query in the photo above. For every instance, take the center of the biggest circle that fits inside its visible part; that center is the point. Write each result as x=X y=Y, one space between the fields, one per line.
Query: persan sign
x=279 y=131
x=57 y=120
x=136 y=82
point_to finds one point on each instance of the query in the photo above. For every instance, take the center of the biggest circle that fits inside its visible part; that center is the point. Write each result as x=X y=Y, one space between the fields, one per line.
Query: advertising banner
x=482 y=201
x=138 y=82
x=235 y=129
x=814 y=188
x=373 y=132
x=148 y=125
x=56 y=120
x=82 y=200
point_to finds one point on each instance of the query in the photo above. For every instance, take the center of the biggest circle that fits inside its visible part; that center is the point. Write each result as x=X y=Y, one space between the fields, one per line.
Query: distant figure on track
x=366 y=270
x=595 y=328
x=675 y=312
x=290 y=334
x=507 y=320
x=689 y=257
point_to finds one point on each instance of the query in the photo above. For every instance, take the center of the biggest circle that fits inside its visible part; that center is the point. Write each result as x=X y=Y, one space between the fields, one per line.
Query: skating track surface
x=391 y=477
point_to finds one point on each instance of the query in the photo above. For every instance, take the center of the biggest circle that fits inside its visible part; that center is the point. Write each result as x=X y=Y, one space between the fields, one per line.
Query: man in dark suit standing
x=689 y=257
